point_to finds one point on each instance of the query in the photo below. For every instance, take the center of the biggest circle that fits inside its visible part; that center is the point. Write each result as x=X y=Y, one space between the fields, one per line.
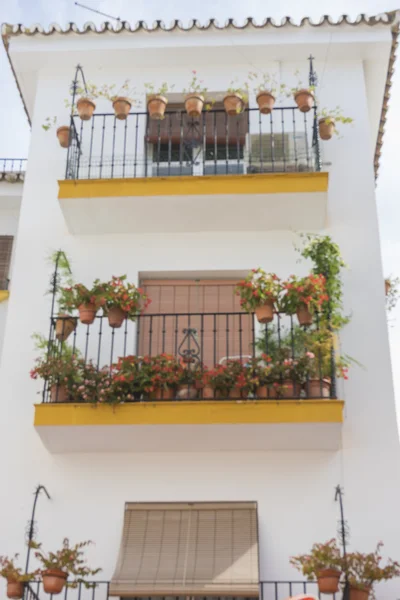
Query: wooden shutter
x=6 y=243
x=188 y=549
x=204 y=305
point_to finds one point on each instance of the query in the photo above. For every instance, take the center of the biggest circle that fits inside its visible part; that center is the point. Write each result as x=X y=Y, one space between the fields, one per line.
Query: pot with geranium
x=122 y=100
x=126 y=381
x=190 y=381
x=327 y=121
x=157 y=100
x=259 y=293
x=363 y=570
x=159 y=376
x=304 y=296
x=59 y=565
x=303 y=94
x=235 y=98
x=258 y=375
x=324 y=563
x=122 y=300
x=229 y=380
x=85 y=105
x=60 y=368
x=86 y=301
x=194 y=96
x=15 y=577
x=288 y=374
x=267 y=90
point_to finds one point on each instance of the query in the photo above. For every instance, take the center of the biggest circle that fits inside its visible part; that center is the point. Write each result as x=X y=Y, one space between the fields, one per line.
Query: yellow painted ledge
x=4 y=295
x=191 y=413
x=265 y=183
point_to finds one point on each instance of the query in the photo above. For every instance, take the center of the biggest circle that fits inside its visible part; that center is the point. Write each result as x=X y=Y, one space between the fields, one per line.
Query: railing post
x=313 y=81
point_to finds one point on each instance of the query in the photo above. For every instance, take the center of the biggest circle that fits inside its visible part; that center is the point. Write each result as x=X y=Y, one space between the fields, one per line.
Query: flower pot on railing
x=304 y=316
x=328 y=581
x=237 y=393
x=265 y=312
x=194 y=105
x=15 y=589
x=326 y=127
x=359 y=593
x=233 y=104
x=54 y=581
x=186 y=392
x=266 y=102
x=304 y=100
x=87 y=313
x=318 y=388
x=388 y=286
x=64 y=327
x=289 y=389
x=63 y=136
x=116 y=316
x=121 y=106
x=156 y=106
x=85 y=108
x=59 y=393
x=208 y=392
x=163 y=393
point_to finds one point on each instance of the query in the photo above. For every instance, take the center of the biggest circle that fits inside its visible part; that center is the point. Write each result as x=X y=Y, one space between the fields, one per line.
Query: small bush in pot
x=236 y=98
x=363 y=570
x=304 y=296
x=259 y=293
x=229 y=380
x=266 y=90
x=323 y=563
x=303 y=94
x=62 y=132
x=258 y=375
x=86 y=301
x=122 y=100
x=14 y=576
x=328 y=120
x=59 y=565
x=195 y=95
x=159 y=376
x=191 y=380
x=157 y=100
x=122 y=300
x=126 y=381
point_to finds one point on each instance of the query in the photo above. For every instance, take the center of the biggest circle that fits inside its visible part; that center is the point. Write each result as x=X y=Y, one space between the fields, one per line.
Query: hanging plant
x=259 y=293
x=304 y=296
x=86 y=300
x=122 y=300
x=157 y=100
x=328 y=120
x=15 y=577
x=323 y=563
x=195 y=95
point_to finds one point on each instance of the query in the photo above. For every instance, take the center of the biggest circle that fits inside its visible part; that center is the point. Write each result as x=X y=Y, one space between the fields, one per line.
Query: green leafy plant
x=335 y=116
x=258 y=288
x=241 y=89
x=225 y=377
x=74 y=296
x=59 y=369
x=49 y=122
x=363 y=570
x=126 y=90
x=321 y=556
x=392 y=292
x=12 y=573
x=264 y=82
x=309 y=291
x=159 y=372
x=69 y=559
x=119 y=293
x=195 y=86
x=300 y=85
x=160 y=90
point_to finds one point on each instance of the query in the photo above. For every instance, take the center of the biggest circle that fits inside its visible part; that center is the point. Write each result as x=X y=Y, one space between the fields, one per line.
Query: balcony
x=250 y=171
x=302 y=412
x=12 y=175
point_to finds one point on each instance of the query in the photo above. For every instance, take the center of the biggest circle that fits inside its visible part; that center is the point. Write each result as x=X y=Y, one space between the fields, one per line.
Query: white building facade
x=185 y=211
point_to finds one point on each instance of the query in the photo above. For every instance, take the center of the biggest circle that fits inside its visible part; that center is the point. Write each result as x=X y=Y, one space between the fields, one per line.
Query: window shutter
x=6 y=243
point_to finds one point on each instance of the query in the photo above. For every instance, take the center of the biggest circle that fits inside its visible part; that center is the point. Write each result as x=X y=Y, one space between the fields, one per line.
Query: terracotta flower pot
x=116 y=316
x=63 y=136
x=156 y=106
x=265 y=312
x=328 y=581
x=237 y=393
x=233 y=104
x=266 y=102
x=186 y=392
x=359 y=593
x=326 y=129
x=64 y=327
x=388 y=285
x=59 y=393
x=85 y=108
x=208 y=392
x=262 y=392
x=288 y=389
x=304 y=100
x=15 y=589
x=87 y=313
x=163 y=394
x=121 y=106
x=318 y=389
x=194 y=104
x=54 y=581
x=304 y=316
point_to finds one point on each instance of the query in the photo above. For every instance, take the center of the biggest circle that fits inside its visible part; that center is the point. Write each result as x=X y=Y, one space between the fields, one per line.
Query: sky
x=14 y=139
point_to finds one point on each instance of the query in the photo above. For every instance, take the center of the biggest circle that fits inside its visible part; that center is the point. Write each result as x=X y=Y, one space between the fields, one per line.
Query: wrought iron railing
x=213 y=144
x=12 y=169
x=198 y=340
x=99 y=590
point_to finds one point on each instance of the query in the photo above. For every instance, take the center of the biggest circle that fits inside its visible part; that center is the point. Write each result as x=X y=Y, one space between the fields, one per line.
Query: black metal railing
x=12 y=169
x=4 y=283
x=100 y=590
x=213 y=144
x=200 y=340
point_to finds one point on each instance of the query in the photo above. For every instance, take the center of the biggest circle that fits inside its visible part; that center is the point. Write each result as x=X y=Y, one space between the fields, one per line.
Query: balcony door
x=201 y=319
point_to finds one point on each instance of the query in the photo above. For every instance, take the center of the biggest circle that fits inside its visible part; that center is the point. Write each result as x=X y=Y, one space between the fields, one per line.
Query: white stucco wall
x=294 y=490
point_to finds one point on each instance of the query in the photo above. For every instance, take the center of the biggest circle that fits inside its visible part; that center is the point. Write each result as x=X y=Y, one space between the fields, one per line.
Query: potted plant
x=159 y=376
x=122 y=100
x=266 y=90
x=286 y=376
x=62 y=132
x=323 y=563
x=363 y=570
x=61 y=369
x=259 y=293
x=327 y=121
x=85 y=105
x=190 y=381
x=229 y=380
x=303 y=94
x=122 y=300
x=86 y=301
x=258 y=375
x=304 y=296
x=69 y=560
x=126 y=381
x=157 y=101
x=391 y=292
x=61 y=276
x=235 y=98
x=14 y=576
x=194 y=96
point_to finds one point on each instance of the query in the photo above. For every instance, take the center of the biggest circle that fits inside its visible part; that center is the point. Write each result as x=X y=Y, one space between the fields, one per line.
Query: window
x=6 y=244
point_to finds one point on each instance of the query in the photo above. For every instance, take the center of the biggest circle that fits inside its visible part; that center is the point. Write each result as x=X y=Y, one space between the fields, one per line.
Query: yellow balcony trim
x=266 y=183
x=4 y=295
x=191 y=413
